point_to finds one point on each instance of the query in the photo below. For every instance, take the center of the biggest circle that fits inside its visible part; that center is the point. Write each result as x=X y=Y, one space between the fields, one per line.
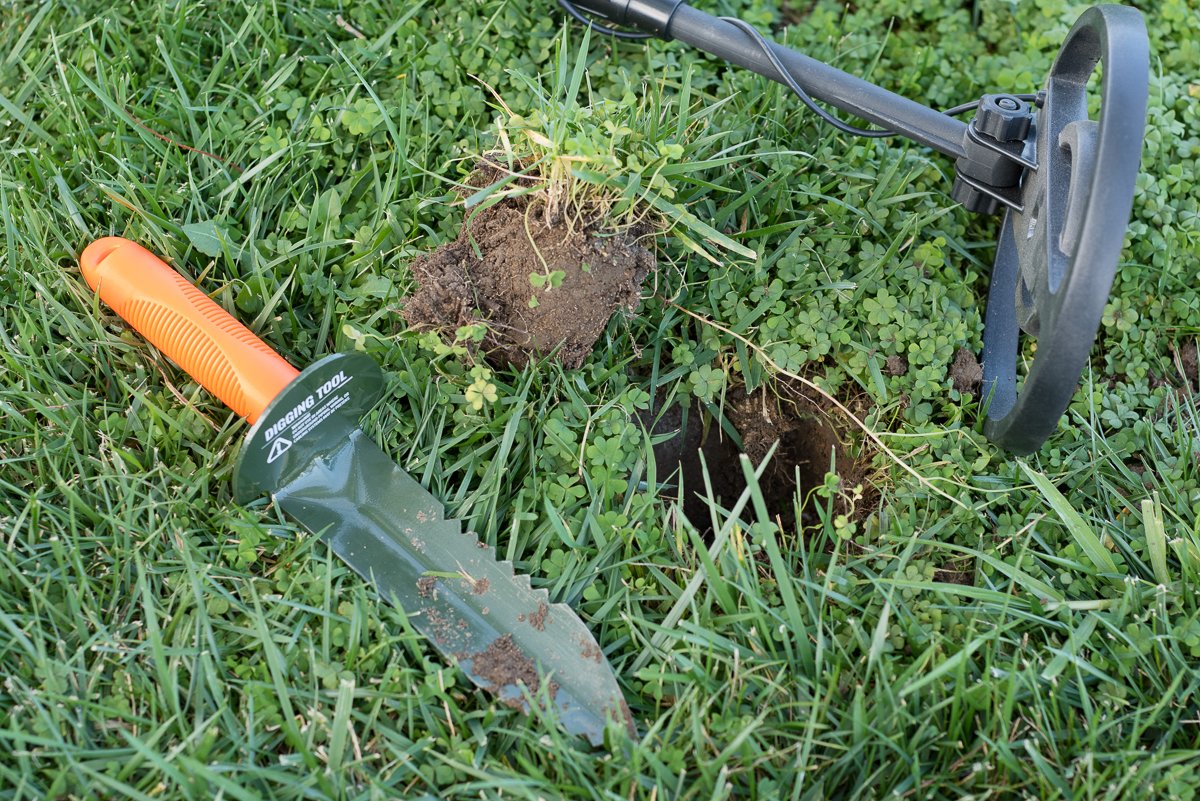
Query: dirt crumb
x=426 y=586
x=503 y=267
x=1190 y=362
x=444 y=628
x=538 y=619
x=623 y=714
x=966 y=372
x=503 y=663
x=480 y=586
x=591 y=651
x=895 y=365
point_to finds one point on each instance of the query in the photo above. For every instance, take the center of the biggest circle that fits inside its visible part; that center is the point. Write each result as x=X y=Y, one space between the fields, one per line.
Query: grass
x=1033 y=636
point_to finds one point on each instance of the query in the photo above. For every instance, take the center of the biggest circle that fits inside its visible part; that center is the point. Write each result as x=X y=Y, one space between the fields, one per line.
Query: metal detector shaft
x=672 y=19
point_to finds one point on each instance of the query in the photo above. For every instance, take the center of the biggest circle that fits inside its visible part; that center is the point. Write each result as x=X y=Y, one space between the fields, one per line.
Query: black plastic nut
x=972 y=199
x=1003 y=117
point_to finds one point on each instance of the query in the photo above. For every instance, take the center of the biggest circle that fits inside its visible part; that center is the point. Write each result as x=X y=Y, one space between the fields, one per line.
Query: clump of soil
x=810 y=445
x=537 y=619
x=503 y=663
x=485 y=275
x=895 y=365
x=966 y=372
x=1189 y=363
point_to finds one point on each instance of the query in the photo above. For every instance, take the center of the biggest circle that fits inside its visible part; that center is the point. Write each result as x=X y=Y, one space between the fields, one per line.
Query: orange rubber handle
x=189 y=327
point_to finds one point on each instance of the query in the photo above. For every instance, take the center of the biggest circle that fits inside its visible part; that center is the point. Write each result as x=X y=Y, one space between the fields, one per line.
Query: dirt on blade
x=545 y=281
x=503 y=663
x=538 y=619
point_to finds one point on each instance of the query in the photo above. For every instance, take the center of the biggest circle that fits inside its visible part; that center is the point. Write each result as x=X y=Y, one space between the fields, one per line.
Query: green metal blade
x=507 y=637
x=307 y=451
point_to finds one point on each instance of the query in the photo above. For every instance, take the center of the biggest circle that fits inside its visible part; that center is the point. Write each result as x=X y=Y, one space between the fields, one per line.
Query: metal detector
x=1064 y=181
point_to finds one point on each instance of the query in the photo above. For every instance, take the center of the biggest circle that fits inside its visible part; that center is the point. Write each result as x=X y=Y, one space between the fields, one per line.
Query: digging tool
x=1064 y=181
x=306 y=450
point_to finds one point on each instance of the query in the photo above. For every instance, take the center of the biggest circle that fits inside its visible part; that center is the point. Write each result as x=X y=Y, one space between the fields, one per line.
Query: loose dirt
x=538 y=618
x=503 y=663
x=445 y=628
x=485 y=275
x=966 y=372
x=811 y=443
x=622 y=713
x=895 y=365
x=591 y=651
x=1189 y=362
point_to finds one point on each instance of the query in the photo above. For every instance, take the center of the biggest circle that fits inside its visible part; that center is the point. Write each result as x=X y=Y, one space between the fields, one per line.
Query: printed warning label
x=306 y=415
x=278 y=448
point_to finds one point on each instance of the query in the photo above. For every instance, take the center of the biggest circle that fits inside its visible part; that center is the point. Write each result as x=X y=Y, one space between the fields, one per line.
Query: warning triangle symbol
x=278 y=448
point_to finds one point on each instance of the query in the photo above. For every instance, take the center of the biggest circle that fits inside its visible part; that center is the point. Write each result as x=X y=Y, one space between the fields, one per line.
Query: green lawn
x=964 y=636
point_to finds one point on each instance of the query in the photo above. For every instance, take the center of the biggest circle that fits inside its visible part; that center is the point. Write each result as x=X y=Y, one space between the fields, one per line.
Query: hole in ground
x=810 y=445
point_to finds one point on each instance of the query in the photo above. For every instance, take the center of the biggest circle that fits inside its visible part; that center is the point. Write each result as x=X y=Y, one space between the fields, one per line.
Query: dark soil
x=484 y=275
x=591 y=651
x=966 y=372
x=1189 y=363
x=795 y=12
x=810 y=445
x=538 y=618
x=678 y=459
x=446 y=628
x=952 y=574
x=503 y=663
x=895 y=365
